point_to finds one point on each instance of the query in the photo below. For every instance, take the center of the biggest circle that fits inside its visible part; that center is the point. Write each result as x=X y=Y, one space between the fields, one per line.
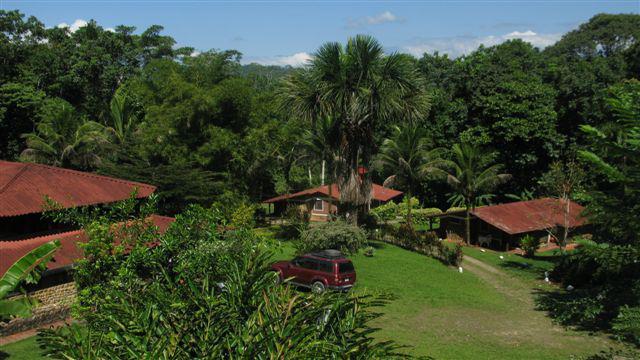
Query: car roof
x=327 y=255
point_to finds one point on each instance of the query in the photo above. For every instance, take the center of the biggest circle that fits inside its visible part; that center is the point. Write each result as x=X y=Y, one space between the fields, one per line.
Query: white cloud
x=385 y=17
x=461 y=45
x=75 y=26
x=297 y=59
x=109 y=29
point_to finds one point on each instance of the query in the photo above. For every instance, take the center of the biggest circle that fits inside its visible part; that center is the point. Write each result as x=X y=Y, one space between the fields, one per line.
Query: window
x=346 y=267
x=325 y=266
x=318 y=205
x=297 y=262
x=308 y=264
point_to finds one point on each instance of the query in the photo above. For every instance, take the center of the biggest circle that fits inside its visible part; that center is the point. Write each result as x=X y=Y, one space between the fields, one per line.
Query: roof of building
x=378 y=192
x=68 y=252
x=23 y=187
x=533 y=215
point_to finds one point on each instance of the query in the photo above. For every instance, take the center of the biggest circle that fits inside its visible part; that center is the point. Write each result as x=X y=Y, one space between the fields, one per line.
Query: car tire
x=318 y=287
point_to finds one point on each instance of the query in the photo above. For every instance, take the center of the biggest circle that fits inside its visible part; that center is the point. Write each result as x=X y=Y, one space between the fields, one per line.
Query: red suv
x=327 y=269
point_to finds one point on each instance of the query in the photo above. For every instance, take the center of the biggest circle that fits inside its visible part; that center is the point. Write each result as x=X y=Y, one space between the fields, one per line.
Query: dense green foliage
x=205 y=129
x=201 y=292
x=336 y=235
x=606 y=273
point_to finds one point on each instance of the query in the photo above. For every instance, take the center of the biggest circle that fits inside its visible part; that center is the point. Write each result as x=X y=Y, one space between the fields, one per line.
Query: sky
x=287 y=32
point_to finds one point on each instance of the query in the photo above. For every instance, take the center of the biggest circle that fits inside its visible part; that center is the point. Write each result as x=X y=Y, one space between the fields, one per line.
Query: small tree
x=530 y=245
x=561 y=182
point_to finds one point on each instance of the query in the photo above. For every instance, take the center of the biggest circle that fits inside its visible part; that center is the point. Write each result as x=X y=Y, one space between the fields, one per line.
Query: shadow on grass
x=376 y=244
x=532 y=269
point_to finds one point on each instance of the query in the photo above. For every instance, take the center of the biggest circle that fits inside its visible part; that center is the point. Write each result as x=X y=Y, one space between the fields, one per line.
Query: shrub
x=243 y=216
x=385 y=213
x=453 y=256
x=402 y=208
x=606 y=279
x=297 y=221
x=530 y=245
x=336 y=235
x=369 y=251
x=424 y=216
x=627 y=324
x=427 y=244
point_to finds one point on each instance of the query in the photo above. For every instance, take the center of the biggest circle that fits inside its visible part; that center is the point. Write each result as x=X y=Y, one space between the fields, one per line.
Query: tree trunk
x=409 y=208
x=565 y=233
x=310 y=178
x=467 y=226
x=322 y=173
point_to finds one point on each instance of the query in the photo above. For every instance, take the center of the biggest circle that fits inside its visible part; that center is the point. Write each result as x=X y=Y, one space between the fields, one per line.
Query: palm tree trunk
x=322 y=173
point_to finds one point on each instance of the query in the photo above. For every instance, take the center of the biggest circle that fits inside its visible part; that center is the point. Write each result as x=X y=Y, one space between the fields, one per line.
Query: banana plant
x=21 y=270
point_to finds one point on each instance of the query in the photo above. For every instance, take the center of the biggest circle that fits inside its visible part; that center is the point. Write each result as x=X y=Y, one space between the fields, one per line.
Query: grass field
x=26 y=349
x=442 y=313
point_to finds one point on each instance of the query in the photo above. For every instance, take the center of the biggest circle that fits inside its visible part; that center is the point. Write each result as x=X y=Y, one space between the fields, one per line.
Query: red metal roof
x=525 y=216
x=378 y=192
x=23 y=187
x=67 y=253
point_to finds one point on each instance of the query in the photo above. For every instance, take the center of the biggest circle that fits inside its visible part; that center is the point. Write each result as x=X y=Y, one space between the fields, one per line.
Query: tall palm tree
x=359 y=87
x=409 y=157
x=471 y=174
x=64 y=139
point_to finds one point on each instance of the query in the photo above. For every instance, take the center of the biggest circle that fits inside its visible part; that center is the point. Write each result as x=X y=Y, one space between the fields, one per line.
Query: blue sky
x=287 y=32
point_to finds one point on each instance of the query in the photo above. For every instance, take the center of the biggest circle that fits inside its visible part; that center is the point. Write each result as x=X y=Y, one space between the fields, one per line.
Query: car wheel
x=318 y=287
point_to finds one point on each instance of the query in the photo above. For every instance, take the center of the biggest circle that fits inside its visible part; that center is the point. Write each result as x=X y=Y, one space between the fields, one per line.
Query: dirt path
x=524 y=321
x=505 y=284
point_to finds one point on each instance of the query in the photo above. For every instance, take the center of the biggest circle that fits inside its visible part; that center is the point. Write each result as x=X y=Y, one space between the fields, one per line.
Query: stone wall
x=54 y=303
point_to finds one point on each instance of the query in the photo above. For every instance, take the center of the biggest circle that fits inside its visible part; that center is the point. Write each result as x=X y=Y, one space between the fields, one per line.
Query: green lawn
x=529 y=269
x=26 y=349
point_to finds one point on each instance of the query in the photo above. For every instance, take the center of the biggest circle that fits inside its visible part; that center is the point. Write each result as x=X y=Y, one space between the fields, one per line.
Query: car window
x=297 y=262
x=310 y=264
x=325 y=266
x=345 y=267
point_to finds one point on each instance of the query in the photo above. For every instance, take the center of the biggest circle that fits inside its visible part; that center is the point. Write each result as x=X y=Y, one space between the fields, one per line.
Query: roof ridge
x=88 y=174
x=14 y=178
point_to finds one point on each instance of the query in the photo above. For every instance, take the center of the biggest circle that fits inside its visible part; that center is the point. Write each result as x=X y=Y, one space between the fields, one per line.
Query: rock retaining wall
x=54 y=303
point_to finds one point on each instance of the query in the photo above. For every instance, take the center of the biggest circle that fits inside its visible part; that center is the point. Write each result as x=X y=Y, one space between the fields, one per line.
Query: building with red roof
x=24 y=188
x=502 y=226
x=322 y=201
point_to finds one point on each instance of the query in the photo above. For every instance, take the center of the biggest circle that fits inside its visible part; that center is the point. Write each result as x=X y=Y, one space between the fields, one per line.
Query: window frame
x=321 y=205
